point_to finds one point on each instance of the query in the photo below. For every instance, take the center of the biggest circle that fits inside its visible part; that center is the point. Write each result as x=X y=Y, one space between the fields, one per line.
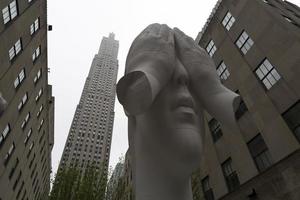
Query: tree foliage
x=71 y=184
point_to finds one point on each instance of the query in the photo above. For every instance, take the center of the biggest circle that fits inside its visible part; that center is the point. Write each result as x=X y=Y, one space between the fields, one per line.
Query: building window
x=28 y=136
x=222 y=71
x=25 y=121
x=260 y=153
x=23 y=101
x=34 y=27
x=38 y=96
x=40 y=111
x=19 y=78
x=37 y=76
x=4 y=134
x=292 y=118
x=10 y=12
x=228 y=21
x=207 y=190
x=9 y=153
x=242 y=109
x=267 y=74
x=30 y=149
x=215 y=129
x=36 y=53
x=211 y=48
x=17 y=180
x=244 y=42
x=15 y=49
x=231 y=177
x=13 y=169
x=41 y=124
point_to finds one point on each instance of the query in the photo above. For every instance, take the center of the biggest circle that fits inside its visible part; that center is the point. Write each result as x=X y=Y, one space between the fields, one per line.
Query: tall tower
x=26 y=102
x=90 y=134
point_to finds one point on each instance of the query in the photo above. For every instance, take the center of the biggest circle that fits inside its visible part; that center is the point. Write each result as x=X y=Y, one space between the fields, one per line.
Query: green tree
x=70 y=184
x=197 y=186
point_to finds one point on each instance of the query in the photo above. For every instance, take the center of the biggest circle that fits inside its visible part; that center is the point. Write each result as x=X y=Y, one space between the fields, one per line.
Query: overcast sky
x=78 y=27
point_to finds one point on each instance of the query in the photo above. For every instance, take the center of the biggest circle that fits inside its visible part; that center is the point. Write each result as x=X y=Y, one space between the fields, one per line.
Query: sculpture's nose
x=181 y=81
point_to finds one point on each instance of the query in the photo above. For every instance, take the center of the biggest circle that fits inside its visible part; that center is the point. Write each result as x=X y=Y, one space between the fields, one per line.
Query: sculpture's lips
x=185 y=102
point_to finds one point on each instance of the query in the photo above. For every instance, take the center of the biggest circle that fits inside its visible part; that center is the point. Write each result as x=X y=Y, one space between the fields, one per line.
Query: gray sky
x=78 y=27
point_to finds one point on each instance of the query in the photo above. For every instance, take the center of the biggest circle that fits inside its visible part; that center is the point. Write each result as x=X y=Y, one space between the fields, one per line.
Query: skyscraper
x=255 y=45
x=90 y=134
x=27 y=117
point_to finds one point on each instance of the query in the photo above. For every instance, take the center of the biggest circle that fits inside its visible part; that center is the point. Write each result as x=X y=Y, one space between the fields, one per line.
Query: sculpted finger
x=164 y=32
x=180 y=39
x=178 y=32
x=153 y=29
x=181 y=35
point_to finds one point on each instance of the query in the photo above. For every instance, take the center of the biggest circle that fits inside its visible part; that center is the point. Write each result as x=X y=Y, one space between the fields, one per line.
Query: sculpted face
x=175 y=118
x=168 y=81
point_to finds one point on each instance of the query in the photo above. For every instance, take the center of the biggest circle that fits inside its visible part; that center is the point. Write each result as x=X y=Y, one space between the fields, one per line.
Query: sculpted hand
x=149 y=67
x=219 y=101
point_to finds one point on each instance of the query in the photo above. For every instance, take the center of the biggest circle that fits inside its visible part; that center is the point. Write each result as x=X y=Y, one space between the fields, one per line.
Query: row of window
x=15 y=49
x=266 y=72
x=22 y=75
x=261 y=157
x=25 y=121
x=4 y=134
x=10 y=12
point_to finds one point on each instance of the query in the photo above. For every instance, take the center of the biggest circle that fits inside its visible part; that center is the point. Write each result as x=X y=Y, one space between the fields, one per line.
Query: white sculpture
x=169 y=80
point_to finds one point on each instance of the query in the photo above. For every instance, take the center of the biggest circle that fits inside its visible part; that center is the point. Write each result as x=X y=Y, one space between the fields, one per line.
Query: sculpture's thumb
x=136 y=91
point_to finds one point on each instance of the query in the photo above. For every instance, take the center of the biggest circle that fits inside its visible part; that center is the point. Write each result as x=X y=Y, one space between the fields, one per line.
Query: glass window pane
x=22 y=75
x=224 y=22
x=36 y=24
x=37 y=51
x=267 y=84
x=245 y=35
x=39 y=74
x=11 y=53
x=16 y=82
x=18 y=46
x=31 y=29
x=24 y=99
x=275 y=74
x=268 y=64
x=5 y=14
x=250 y=42
x=239 y=44
x=6 y=131
x=27 y=117
x=20 y=105
x=259 y=74
x=13 y=9
x=12 y=147
x=244 y=50
x=271 y=79
x=263 y=69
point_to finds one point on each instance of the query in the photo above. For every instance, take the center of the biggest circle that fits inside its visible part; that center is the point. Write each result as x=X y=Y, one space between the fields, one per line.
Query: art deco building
x=120 y=186
x=90 y=134
x=255 y=46
x=27 y=105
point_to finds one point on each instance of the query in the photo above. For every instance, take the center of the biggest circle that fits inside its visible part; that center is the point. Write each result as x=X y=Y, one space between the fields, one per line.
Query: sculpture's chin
x=187 y=149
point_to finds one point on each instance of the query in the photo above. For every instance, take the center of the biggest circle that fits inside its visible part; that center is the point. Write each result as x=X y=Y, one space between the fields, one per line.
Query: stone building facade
x=255 y=46
x=27 y=116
